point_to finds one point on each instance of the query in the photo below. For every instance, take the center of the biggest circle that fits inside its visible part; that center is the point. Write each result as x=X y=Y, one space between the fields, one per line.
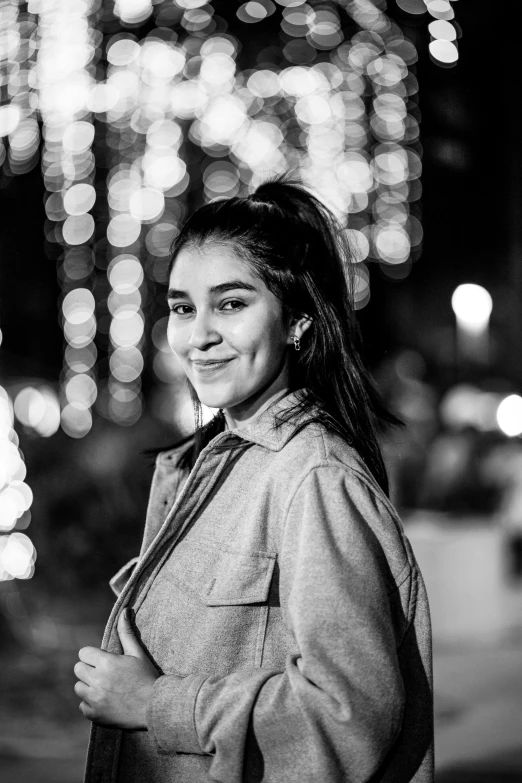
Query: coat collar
x=261 y=429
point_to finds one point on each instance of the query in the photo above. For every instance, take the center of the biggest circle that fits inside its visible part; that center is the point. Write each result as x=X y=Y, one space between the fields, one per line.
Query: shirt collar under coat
x=261 y=429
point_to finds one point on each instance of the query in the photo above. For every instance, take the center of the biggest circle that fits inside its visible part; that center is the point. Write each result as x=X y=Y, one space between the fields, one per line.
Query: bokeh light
x=472 y=304
x=442 y=29
x=509 y=415
x=79 y=199
x=17 y=556
x=67 y=95
x=440 y=9
x=443 y=47
x=76 y=420
x=465 y=405
x=165 y=102
x=133 y=11
x=444 y=51
x=29 y=406
x=17 y=553
x=38 y=409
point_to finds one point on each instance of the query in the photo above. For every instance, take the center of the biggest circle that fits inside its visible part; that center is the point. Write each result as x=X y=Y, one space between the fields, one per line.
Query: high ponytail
x=294 y=244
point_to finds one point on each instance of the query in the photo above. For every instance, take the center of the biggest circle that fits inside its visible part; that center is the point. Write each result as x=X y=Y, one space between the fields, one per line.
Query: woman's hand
x=115 y=689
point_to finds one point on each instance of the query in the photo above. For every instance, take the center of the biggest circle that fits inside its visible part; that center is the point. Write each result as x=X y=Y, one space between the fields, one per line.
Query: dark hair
x=295 y=245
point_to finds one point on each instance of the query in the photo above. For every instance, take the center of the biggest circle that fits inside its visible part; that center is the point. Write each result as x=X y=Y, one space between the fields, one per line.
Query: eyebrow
x=173 y=293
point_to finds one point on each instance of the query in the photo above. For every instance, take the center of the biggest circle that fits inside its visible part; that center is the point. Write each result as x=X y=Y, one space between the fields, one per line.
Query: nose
x=203 y=331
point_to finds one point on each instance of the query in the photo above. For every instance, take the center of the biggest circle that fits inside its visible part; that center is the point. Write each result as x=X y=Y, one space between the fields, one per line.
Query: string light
x=443 y=34
x=66 y=56
x=19 y=131
x=17 y=552
x=339 y=111
x=143 y=183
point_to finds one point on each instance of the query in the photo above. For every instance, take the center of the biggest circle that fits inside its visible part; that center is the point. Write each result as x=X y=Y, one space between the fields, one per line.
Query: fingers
x=125 y=620
x=124 y=625
x=86 y=710
x=129 y=641
x=82 y=690
x=84 y=672
x=91 y=655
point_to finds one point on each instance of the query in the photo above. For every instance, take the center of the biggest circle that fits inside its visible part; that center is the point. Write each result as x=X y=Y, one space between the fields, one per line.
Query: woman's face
x=221 y=312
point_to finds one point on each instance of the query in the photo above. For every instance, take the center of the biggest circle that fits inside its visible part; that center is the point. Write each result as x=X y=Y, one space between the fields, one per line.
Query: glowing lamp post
x=472 y=306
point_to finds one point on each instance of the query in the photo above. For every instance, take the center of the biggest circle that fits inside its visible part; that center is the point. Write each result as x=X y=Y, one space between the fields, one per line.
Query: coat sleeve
x=336 y=708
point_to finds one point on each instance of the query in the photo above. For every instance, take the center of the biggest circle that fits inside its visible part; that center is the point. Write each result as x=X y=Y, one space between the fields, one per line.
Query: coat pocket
x=220 y=575
x=225 y=578
x=210 y=607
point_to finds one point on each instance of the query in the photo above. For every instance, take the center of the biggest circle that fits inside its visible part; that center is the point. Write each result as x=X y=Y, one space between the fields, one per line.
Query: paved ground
x=478 y=710
x=23 y=770
x=477 y=631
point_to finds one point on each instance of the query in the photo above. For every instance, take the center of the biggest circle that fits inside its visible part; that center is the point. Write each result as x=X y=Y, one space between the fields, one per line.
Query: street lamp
x=472 y=306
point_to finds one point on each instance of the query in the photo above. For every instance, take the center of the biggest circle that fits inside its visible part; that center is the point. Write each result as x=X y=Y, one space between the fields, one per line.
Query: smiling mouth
x=209 y=366
x=206 y=362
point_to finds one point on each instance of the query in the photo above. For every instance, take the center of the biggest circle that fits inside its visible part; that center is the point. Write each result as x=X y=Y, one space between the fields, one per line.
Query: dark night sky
x=467 y=158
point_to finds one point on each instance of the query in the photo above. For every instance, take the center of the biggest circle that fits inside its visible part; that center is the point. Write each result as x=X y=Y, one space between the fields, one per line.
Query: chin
x=219 y=398
x=211 y=402
x=213 y=398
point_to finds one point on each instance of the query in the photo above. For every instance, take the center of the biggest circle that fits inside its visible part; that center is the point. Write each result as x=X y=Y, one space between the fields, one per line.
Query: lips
x=209 y=362
x=208 y=367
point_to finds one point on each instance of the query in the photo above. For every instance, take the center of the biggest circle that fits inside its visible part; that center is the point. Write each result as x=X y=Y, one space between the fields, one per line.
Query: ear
x=298 y=326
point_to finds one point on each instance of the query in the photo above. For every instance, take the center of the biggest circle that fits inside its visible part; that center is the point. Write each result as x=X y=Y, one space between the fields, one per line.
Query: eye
x=175 y=309
x=234 y=302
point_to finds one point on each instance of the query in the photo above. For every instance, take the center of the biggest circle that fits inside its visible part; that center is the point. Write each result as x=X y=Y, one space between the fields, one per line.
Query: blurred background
x=117 y=118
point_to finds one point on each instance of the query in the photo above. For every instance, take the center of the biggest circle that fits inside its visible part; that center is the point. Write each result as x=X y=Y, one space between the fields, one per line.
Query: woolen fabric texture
x=280 y=599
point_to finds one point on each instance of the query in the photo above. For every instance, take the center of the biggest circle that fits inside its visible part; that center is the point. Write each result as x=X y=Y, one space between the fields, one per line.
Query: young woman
x=275 y=626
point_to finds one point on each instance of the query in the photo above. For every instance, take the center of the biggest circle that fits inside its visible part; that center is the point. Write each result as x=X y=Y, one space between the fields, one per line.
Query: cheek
x=261 y=339
x=175 y=339
x=171 y=337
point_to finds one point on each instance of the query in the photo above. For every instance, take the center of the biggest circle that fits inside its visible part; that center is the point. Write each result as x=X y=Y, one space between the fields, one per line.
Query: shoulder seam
x=378 y=495
x=326 y=463
x=298 y=487
x=318 y=465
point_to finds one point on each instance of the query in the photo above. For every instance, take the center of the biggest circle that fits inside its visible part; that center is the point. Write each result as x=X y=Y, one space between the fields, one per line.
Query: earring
x=297 y=343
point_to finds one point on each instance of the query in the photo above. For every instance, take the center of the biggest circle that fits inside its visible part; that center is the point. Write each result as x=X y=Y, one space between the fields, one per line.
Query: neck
x=232 y=422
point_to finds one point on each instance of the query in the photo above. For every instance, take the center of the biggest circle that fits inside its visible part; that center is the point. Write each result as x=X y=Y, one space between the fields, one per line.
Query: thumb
x=129 y=641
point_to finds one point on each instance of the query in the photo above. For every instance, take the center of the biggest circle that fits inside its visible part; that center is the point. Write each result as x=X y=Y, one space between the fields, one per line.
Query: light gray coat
x=278 y=595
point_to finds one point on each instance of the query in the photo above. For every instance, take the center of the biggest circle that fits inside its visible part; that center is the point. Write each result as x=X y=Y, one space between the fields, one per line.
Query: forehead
x=212 y=263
